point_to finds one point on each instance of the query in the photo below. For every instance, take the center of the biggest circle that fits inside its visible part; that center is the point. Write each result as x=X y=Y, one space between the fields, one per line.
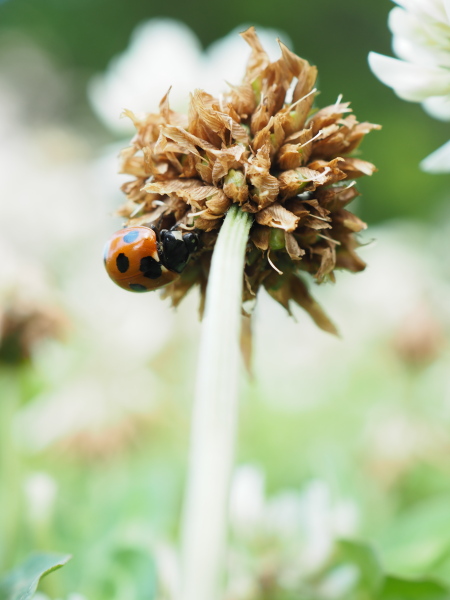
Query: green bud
x=235 y=177
x=256 y=85
x=276 y=239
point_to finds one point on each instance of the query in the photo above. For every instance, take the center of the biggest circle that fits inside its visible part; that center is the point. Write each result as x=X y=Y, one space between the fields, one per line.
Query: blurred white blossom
x=421 y=34
x=41 y=596
x=165 y=53
x=287 y=538
x=291 y=533
x=40 y=495
x=53 y=231
x=401 y=275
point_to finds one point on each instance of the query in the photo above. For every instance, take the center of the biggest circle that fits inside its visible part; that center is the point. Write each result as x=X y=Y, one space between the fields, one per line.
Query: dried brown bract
x=277 y=158
x=23 y=325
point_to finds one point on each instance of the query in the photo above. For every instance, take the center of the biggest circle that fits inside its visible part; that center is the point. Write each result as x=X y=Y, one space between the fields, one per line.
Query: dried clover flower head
x=278 y=159
x=23 y=325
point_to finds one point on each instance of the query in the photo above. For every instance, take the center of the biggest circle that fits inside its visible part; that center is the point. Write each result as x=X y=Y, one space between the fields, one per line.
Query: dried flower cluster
x=278 y=159
x=23 y=325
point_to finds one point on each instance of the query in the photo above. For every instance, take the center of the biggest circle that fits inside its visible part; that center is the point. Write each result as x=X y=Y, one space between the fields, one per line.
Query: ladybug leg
x=155 y=229
x=176 y=249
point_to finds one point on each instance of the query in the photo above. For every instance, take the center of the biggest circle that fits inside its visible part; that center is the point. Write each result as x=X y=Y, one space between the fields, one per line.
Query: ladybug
x=140 y=260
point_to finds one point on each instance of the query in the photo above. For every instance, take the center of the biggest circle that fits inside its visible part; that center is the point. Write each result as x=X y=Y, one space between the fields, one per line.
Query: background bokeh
x=346 y=437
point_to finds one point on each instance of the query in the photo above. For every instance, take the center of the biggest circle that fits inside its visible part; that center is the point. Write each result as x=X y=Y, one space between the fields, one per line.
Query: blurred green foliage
x=83 y=35
x=21 y=584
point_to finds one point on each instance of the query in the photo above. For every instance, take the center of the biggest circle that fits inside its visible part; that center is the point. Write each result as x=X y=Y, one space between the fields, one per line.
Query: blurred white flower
x=292 y=533
x=247 y=498
x=421 y=37
x=75 y=596
x=40 y=494
x=164 y=53
x=166 y=557
x=286 y=539
x=52 y=234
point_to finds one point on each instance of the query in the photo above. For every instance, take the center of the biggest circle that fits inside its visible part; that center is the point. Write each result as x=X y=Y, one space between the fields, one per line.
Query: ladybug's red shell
x=132 y=260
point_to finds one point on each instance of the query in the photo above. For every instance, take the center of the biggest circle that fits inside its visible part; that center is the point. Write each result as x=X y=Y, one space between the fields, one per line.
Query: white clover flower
x=421 y=40
x=294 y=531
x=165 y=53
x=40 y=494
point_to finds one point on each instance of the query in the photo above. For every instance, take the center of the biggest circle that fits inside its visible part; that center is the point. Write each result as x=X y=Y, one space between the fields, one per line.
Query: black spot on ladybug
x=150 y=267
x=122 y=262
x=137 y=287
x=131 y=236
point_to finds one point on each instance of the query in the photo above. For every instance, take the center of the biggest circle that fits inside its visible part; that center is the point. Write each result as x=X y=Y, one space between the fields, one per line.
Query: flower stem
x=215 y=412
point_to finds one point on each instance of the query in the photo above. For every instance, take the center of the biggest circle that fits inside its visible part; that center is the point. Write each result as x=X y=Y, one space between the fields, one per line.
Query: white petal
x=438 y=107
x=407 y=4
x=430 y=9
x=438 y=161
x=404 y=23
x=419 y=40
x=437 y=9
x=409 y=81
x=447 y=9
x=421 y=54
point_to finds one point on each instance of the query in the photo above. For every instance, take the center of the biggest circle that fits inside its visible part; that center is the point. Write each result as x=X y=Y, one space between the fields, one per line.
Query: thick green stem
x=214 y=420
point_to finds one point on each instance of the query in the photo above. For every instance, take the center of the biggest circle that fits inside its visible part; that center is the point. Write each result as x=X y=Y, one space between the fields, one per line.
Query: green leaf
x=361 y=555
x=22 y=582
x=396 y=588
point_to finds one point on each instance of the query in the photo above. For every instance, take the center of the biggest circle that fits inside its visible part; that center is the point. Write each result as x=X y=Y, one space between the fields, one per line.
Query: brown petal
x=302 y=102
x=294 y=155
x=261 y=116
x=242 y=98
x=259 y=58
x=164 y=107
x=294 y=63
x=355 y=167
x=331 y=171
x=327 y=261
x=247 y=343
x=300 y=180
x=260 y=236
x=219 y=122
x=337 y=197
x=171 y=186
x=134 y=192
x=132 y=163
x=218 y=203
x=187 y=141
x=266 y=185
x=226 y=159
x=204 y=169
x=349 y=221
x=277 y=216
x=272 y=135
x=292 y=247
x=207 y=224
x=301 y=295
x=280 y=292
x=235 y=186
x=360 y=131
x=346 y=258
x=329 y=115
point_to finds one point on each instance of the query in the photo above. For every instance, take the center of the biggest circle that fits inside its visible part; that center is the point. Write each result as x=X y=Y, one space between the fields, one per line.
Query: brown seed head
x=278 y=159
